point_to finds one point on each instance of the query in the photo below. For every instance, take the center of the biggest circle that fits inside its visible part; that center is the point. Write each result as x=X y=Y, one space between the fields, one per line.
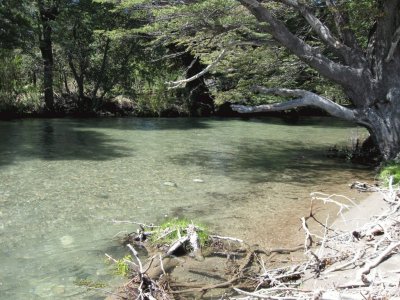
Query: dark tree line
x=82 y=55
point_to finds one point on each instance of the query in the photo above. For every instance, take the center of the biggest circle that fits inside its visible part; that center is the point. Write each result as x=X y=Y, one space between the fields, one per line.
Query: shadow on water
x=272 y=161
x=314 y=122
x=56 y=140
x=77 y=139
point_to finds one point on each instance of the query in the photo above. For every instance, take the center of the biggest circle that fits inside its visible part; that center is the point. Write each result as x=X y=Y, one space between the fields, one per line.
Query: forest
x=99 y=56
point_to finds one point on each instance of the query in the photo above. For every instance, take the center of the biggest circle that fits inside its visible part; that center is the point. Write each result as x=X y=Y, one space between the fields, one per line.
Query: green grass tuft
x=167 y=233
x=122 y=266
x=390 y=169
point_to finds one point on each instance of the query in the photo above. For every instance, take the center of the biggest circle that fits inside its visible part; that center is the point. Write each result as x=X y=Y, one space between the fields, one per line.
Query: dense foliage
x=117 y=56
x=97 y=62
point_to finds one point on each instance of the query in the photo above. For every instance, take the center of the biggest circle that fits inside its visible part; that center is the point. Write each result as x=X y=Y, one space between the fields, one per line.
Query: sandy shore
x=358 y=216
x=387 y=272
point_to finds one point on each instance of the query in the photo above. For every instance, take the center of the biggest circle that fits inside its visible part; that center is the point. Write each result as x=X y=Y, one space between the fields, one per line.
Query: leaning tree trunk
x=383 y=123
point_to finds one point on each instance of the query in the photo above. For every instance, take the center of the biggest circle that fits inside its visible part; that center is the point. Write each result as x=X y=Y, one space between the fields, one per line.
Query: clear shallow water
x=62 y=181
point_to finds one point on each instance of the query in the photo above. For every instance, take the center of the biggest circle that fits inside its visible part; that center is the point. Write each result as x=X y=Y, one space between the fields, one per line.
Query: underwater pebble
x=103 y=196
x=58 y=290
x=198 y=180
x=43 y=290
x=102 y=272
x=170 y=183
x=66 y=240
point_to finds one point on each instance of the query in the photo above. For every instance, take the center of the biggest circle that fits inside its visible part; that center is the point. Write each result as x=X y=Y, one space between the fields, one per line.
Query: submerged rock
x=66 y=240
x=49 y=290
x=170 y=183
x=58 y=290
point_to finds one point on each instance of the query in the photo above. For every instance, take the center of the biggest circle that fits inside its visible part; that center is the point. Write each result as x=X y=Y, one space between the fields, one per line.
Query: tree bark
x=200 y=101
x=46 y=15
x=46 y=49
x=382 y=121
x=79 y=79
x=102 y=70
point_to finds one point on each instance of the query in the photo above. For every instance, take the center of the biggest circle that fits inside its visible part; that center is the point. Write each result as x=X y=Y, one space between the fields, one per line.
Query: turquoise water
x=63 y=181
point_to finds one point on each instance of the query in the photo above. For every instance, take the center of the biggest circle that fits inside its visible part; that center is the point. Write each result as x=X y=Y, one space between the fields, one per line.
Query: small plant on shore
x=390 y=169
x=169 y=232
x=122 y=265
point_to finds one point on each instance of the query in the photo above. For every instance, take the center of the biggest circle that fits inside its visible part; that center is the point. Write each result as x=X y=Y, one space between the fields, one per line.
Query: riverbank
x=369 y=237
x=355 y=258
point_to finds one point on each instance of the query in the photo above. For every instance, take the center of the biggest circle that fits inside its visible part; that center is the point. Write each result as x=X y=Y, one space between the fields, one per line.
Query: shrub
x=390 y=169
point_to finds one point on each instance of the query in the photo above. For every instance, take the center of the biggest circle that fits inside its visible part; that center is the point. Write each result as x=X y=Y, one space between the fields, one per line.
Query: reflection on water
x=62 y=181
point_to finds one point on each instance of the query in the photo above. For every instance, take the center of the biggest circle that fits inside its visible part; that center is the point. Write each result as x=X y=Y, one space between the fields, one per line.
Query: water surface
x=62 y=181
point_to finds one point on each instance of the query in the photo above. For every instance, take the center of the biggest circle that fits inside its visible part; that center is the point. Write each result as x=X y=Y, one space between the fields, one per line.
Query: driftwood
x=243 y=261
x=360 y=251
x=249 y=273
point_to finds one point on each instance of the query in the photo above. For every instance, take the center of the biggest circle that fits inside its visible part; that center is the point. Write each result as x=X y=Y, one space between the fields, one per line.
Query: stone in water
x=67 y=240
x=170 y=183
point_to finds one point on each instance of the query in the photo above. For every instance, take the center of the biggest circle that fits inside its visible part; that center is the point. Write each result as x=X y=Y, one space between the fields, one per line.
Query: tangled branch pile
x=365 y=258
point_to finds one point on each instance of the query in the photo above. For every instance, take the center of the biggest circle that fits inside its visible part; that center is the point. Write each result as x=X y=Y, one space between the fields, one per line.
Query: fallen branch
x=357 y=256
x=308 y=241
x=135 y=254
x=177 y=244
x=261 y=296
x=375 y=262
x=226 y=238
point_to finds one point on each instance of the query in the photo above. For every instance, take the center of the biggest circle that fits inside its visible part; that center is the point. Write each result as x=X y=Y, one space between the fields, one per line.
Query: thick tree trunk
x=387 y=139
x=383 y=122
x=46 y=15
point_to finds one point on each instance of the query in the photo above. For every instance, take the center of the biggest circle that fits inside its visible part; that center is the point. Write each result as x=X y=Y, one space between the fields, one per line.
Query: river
x=63 y=181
